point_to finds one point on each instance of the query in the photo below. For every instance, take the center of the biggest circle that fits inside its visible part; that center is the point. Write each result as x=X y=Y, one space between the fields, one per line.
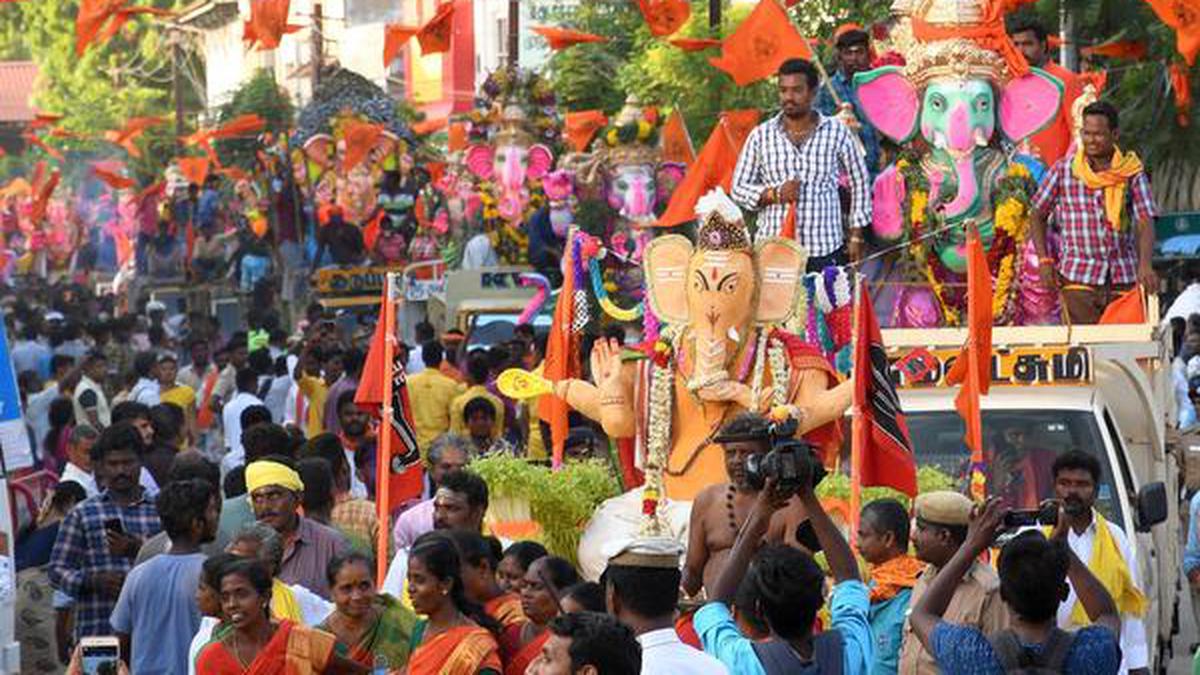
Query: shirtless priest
x=720 y=509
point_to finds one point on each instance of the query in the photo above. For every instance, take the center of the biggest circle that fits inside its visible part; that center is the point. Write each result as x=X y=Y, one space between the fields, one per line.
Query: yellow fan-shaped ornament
x=521 y=384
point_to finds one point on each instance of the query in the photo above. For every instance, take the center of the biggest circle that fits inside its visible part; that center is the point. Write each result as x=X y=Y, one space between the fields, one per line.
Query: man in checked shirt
x=1104 y=211
x=796 y=158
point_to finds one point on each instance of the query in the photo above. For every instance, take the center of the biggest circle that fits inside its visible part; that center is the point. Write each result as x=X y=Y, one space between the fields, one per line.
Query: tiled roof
x=16 y=90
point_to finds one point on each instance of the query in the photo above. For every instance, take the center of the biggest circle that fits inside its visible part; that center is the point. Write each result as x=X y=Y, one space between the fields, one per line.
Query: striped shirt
x=770 y=158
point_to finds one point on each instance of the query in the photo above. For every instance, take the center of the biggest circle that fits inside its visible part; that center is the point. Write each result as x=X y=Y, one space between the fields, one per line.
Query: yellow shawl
x=1114 y=180
x=1112 y=570
x=284 y=604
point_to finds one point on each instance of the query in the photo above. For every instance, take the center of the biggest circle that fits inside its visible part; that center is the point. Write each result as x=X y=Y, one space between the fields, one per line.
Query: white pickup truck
x=1105 y=390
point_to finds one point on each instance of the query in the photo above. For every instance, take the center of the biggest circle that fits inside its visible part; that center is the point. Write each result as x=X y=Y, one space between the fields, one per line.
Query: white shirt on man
x=103 y=413
x=145 y=391
x=664 y=652
x=87 y=480
x=1134 y=651
x=231 y=419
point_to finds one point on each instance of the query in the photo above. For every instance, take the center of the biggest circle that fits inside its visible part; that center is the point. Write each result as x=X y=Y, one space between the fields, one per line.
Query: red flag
x=43 y=187
x=973 y=368
x=394 y=37
x=267 y=23
x=882 y=446
x=1134 y=50
x=561 y=38
x=429 y=125
x=1128 y=307
x=359 y=138
x=122 y=17
x=1183 y=16
x=665 y=17
x=114 y=180
x=99 y=20
x=713 y=166
x=1181 y=85
x=33 y=139
x=676 y=141
x=581 y=126
x=242 y=125
x=760 y=44
x=435 y=35
x=695 y=44
x=194 y=169
x=383 y=386
x=133 y=129
x=562 y=355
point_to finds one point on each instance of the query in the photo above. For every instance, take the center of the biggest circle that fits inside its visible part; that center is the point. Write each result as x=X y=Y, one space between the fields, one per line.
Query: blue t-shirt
x=157 y=607
x=964 y=649
x=1191 y=552
x=848 y=607
x=887 y=625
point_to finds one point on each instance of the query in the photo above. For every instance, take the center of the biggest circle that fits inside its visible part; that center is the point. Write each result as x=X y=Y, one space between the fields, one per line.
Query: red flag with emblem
x=760 y=44
x=665 y=17
x=435 y=35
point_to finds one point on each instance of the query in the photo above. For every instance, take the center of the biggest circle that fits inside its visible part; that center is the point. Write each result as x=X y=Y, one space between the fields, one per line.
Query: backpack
x=778 y=658
x=1015 y=657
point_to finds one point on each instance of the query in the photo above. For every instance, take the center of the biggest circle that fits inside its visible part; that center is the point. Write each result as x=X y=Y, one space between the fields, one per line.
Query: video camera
x=790 y=461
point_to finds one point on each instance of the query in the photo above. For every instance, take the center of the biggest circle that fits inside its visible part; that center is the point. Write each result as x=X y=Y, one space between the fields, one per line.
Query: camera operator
x=790 y=589
x=720 y=510
x=942 y=519
x=1033 y=581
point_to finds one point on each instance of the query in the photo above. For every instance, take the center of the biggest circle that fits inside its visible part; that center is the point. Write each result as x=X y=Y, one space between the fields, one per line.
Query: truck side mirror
x=1151 y=505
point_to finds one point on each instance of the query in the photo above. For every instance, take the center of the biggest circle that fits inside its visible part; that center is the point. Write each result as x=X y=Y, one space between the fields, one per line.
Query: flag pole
x=856 y=429
x=383 y=456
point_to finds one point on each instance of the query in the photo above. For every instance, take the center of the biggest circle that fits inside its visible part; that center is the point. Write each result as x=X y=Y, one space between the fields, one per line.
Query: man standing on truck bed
x=1104 y=210
x=1105 y=549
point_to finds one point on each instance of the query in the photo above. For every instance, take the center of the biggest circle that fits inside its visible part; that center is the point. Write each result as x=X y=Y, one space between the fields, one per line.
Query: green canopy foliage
x=261 y=96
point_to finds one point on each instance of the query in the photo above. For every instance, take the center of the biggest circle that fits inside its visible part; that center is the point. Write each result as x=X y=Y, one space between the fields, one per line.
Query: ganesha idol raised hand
x=957 y=93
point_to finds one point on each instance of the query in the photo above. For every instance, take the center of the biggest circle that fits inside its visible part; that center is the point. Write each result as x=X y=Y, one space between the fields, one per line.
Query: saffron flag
x=394 y=37
x=133 y=129
x=114 y=180
x=561 y=38
x=122 y=17
x=1134 y=50
x=242 y=125
x=1181 y=85
x=43 y=187
x=398 y=474
x=359 y=137
x=194 y=169
x=695 y=44
x=434 y=36
x=1128 y=307
x=882 y=446
x=973 y=368
x=267 y=23
x=664 y=17
x=1182 y=16
x=760 y=44
x=562 y=353
x=676 y=141
x=581 y=126
x=713 y=166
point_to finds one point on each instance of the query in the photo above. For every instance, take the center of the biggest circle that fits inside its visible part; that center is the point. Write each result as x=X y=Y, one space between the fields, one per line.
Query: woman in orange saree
x=541 y=593
x=479 y=579
x=457 y=637
x=259 y=646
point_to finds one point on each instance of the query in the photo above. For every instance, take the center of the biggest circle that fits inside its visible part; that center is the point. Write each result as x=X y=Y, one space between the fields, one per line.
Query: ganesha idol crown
x=721 y=225
x=948 y=55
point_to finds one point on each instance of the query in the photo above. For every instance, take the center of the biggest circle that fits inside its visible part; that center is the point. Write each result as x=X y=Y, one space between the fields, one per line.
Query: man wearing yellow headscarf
x=1104 y=212
x=1105 y=549
x=275 y=491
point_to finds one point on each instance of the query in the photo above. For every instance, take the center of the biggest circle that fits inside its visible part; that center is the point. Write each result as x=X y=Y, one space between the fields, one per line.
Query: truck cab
x=1103 y=390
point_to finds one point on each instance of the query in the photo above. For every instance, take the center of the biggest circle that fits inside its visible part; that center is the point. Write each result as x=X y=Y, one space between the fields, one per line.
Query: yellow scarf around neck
x=1114 y=180
x=283 y=603
x=1110 y=567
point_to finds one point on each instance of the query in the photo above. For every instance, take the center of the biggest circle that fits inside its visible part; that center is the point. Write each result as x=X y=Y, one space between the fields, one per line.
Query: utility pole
x=318 y=46
x=1068 y=27
x=714 y=17
x=514 y=39
x=177 y=82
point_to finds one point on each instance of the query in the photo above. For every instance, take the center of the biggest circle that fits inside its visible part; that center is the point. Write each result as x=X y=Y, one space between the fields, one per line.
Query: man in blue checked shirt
x=99 y=539
x=796 y=160
x=853 y=47
x=791 y=589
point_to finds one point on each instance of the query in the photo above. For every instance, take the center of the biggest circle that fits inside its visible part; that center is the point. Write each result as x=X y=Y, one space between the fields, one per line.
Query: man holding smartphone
x=99 y=539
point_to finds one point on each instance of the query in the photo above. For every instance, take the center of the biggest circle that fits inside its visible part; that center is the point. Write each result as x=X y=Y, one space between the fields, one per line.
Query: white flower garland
x=780 y=373
x=658 y=439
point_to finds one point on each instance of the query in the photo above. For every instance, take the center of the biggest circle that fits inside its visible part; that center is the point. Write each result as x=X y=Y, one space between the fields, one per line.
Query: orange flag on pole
x=194 y=169
x=713 y=166
x=394 y=37
x=359 y=138
x=114 y=180
x=973 y=368
x=665 y=17
x=1134 y=50
x=760 y=44
x=1128 y=307
x=268 y=23
x=580 y=127
x=676 y=141
x=1182 y=16
x=561 y=38
x=122 y=17
x=435 y=35
x=1181 y=84
x=562 y=353
x=133 y=129
x=695 y=44
x=242 y=125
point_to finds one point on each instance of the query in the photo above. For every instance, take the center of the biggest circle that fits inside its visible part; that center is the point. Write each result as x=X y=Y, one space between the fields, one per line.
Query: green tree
x=261 y=96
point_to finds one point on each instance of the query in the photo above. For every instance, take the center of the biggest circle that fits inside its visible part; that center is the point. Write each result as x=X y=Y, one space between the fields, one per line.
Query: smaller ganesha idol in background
x=956 y=92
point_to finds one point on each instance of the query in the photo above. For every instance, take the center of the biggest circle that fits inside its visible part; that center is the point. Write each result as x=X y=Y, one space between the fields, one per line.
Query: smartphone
x=114 y=525
x=101 y=655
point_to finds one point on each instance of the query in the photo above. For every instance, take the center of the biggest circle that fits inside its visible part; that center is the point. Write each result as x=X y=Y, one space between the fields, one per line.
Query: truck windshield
x=1020 y=447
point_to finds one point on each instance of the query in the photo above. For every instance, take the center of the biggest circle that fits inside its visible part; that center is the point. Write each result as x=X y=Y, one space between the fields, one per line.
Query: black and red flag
x=882 y=450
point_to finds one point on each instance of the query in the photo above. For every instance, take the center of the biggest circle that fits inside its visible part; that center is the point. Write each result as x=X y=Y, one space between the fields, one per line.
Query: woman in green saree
x=370 y=624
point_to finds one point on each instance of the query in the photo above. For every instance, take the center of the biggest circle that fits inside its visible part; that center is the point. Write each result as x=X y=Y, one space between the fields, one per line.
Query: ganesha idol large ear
x=781 y=264
x=666 y=264
x=889 y=102
x=1029 y=103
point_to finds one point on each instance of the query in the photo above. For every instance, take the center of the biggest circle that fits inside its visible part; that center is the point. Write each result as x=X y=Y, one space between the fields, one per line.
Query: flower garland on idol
x=1010 y=223
x=508 y=237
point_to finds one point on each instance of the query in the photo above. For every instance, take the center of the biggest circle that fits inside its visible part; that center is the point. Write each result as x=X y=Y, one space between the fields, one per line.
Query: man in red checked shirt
x=1104 y=211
